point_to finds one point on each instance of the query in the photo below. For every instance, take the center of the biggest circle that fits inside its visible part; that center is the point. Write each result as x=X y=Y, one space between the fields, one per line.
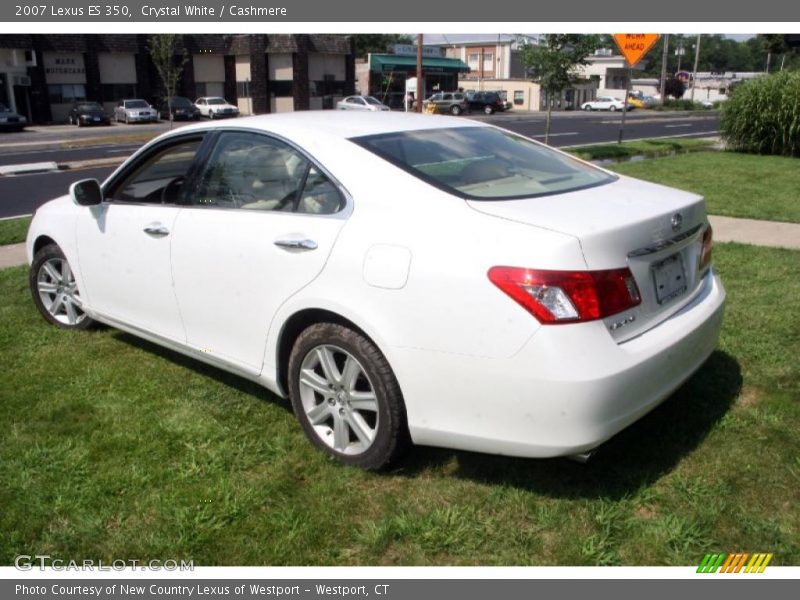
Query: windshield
x=181 y=102
x=90 y=106
x=483 y=163
x=371 y=100
x=216 y=101
x=136 y=104
x=4 y=108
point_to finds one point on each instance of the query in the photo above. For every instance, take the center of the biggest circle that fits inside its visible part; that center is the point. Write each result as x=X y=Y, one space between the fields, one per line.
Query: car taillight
x=708 y=244
x=555 y=297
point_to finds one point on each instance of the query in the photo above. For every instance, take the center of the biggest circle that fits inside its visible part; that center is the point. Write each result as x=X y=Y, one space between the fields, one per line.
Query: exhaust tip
x=582 y=457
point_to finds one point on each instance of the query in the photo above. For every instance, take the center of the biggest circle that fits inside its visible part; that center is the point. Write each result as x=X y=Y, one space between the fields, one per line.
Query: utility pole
x=664 y=59
x=696 y=61
x=625 y=104
x=420 y=81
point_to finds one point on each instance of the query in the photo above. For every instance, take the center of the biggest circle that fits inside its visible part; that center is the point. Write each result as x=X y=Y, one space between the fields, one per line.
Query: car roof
x=335 y=124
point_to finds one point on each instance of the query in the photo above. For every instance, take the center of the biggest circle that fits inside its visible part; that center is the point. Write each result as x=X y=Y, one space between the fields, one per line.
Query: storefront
x=388 y=74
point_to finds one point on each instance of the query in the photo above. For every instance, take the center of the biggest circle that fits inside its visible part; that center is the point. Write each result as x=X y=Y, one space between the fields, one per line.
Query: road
x=22 y=194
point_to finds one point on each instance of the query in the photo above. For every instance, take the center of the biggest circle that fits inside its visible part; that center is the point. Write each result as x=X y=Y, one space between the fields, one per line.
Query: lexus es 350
x=401 y=278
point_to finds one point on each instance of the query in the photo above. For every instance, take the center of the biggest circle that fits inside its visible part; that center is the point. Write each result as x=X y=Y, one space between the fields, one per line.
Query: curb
x=24 y=169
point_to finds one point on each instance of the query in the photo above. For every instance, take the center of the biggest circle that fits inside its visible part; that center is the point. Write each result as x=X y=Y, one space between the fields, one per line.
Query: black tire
x=455 y=110
x=587 y=108
x=489 y=110
x=391 y=436
x=49 y=253
x=612 y=108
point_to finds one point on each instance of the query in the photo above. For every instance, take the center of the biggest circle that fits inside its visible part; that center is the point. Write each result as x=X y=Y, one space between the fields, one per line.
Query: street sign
x=635 y=45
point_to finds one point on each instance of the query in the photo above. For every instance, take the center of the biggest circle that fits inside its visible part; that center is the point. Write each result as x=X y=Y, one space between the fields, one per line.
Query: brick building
x=42 y=75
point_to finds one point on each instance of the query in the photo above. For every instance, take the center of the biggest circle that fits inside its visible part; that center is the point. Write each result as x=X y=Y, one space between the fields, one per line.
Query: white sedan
x=367 y=103
x=215 y=107
x=402 y=278
x=605 y=103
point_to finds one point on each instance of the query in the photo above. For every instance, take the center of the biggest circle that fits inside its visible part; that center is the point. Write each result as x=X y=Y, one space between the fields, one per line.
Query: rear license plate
x=97 y=119
x=669 y=278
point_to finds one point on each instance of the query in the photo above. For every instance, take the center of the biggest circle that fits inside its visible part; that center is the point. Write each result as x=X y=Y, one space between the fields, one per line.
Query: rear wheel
x=612 y=108
x=54 y=290
x=488 y=110
x=455 y=110
x=587 y=108
x=346 y=397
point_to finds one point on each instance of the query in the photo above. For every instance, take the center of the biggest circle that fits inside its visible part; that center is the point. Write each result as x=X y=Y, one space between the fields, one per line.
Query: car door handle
x=297 y=244
x=156 y=230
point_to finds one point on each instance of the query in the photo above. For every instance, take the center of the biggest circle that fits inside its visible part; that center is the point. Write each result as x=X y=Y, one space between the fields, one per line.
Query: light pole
x=664 y=58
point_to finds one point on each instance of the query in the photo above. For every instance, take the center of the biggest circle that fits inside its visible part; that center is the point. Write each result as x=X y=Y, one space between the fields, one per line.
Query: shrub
x=762 y=115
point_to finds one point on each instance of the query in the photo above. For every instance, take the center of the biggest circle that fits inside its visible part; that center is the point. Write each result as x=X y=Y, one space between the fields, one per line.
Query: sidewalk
x=726 y=229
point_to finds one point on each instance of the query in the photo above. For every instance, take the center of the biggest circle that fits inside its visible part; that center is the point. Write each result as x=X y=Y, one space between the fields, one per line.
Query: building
x=495 y=65
x=712 y=86
x=43 y=75
x=609 y=71
x=385 y=76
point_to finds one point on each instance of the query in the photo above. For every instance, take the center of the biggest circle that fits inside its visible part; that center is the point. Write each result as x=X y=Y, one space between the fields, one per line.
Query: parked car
x=636 y=102
x=11 y=121
x=135 y=111
x=605 y=103
x=179 y=109
x=88 y=113
x=215 y=107
x=367 y=103
x=707 y=103
x=496 y=295
x=454 y=103
x=486 y=102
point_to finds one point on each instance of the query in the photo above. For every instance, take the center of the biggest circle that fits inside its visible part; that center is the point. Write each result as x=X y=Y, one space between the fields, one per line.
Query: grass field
x=113 y=447
x=734 y=185
x=13 y=231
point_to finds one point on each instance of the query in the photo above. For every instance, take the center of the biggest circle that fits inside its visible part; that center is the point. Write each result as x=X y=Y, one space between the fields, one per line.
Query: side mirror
x=86 y=192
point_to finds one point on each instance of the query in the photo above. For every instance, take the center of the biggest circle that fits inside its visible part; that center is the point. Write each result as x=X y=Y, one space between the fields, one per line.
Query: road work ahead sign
x=635 y=45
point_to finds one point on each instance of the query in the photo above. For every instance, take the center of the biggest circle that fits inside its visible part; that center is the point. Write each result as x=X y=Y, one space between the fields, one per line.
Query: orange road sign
x=635 y=45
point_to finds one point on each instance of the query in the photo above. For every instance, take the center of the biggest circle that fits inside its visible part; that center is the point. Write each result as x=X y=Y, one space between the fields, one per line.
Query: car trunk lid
x=654 y=230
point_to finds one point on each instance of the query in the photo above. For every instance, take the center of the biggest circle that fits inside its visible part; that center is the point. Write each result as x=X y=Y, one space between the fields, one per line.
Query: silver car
x=361 y=103
x=135 y=111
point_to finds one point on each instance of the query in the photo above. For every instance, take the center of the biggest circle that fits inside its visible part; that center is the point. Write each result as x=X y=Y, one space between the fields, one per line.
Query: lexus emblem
x=676 y=221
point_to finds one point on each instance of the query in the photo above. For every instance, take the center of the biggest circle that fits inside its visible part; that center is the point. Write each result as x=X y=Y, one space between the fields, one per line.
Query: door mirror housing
x=86 y=192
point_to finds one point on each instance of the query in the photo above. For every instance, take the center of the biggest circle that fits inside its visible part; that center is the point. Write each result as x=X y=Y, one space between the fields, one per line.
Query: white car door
x=124 y=243
x=262 y=222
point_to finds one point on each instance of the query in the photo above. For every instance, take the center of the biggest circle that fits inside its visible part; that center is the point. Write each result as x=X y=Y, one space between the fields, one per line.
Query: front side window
x=483 y=163
x=157 y=178
x=256 y=172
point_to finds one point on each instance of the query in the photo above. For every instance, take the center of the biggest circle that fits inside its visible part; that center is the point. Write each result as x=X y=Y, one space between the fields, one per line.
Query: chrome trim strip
x=658 y=246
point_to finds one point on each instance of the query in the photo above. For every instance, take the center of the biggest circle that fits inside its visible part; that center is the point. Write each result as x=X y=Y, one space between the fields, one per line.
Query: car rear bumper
x=569 y=389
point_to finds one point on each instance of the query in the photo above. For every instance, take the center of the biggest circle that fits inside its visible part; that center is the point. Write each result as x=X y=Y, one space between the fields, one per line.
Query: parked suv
x=454 y=103
x=488 y=102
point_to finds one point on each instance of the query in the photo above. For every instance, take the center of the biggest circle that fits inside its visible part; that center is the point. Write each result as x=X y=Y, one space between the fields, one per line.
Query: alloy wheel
x=58 y=292
x=338 y=399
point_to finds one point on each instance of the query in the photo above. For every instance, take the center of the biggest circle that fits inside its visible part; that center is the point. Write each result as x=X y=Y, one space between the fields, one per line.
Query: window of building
x=280 y=89
x=66 y=93
x=118 y=91
x=474 y=58
x=327 y=88
x=209 y=88
x=519 y=97
x=243 y=89
x=488 y=61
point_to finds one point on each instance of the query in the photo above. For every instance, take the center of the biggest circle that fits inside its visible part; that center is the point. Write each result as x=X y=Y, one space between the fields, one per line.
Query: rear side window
x=483 y=163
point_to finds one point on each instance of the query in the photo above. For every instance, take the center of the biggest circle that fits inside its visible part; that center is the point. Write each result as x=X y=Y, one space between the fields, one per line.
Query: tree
x=553 y=63
x=366 y=43
x=675 y=88
x=169 y=59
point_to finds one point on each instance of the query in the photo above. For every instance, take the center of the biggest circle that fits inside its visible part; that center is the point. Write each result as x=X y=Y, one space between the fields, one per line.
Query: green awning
x=393 y=62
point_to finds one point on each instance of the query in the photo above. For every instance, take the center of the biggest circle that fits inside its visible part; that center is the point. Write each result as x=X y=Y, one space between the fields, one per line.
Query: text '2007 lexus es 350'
x=401 y=278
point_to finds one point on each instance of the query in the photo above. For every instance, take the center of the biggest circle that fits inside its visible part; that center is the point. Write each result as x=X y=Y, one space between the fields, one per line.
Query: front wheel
x=488 y=110
x=612 y=108
x=54 y=290
x=346 y=397
x=587 y=108
x=455 y=110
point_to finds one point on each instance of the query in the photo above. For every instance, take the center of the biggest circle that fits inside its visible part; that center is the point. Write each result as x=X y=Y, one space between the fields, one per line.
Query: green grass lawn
x=734 y=185
x=113 y=447
x=13 y=231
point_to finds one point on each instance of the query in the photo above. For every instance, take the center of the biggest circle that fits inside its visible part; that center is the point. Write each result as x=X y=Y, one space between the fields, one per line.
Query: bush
x=670 y=104
x=762 y=115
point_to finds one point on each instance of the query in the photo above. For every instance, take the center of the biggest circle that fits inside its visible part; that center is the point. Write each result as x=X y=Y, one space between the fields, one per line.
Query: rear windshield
x=371 y=100
x=216 y=101
x=181 y=101
x=483 y=163
x=136 y=104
